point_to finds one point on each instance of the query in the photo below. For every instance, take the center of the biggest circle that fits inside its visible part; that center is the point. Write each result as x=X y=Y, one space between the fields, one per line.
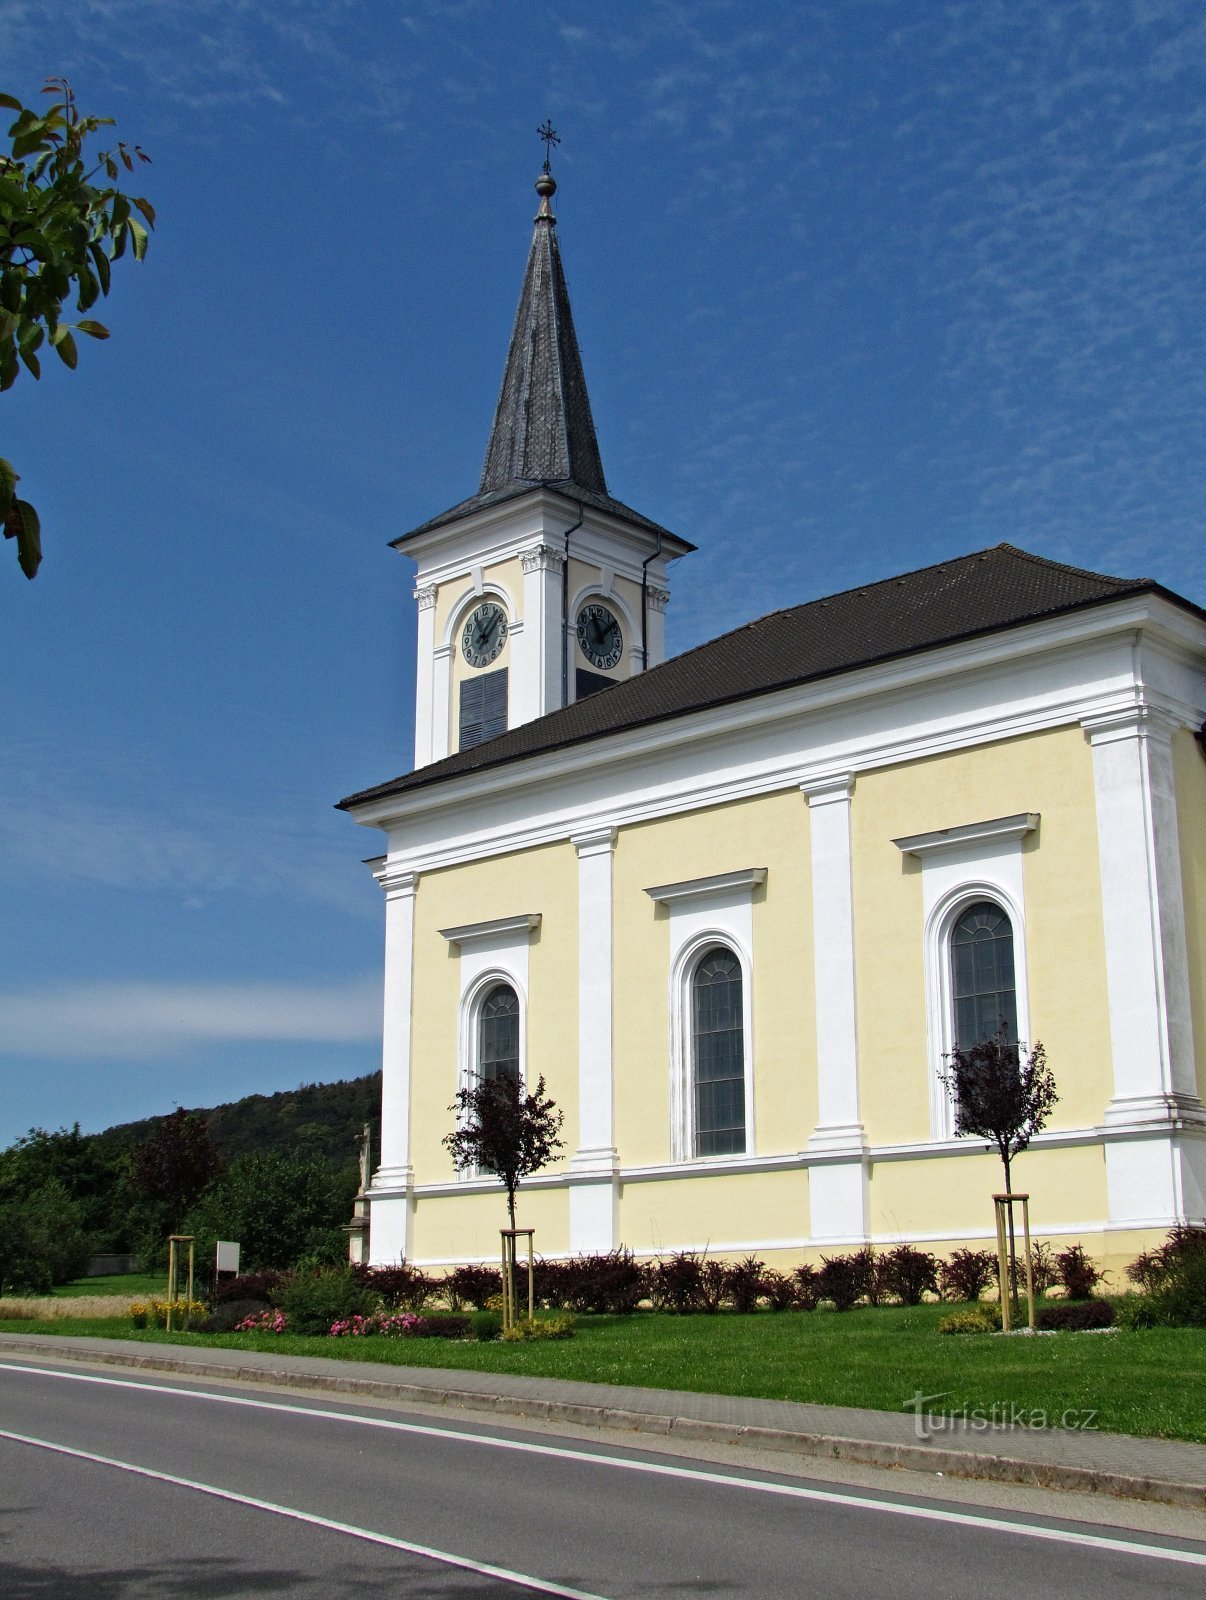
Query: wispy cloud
x=141 y=1020
x=59 y=826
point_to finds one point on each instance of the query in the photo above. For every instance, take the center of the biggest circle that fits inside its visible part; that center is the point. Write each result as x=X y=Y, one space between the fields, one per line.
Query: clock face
x=599 y=636
x=484 y=635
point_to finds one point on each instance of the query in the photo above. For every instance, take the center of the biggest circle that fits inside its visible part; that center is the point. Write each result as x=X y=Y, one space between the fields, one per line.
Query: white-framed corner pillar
x=838 y=1172
x=594 y=1195
x=656 y=601
x=1155 y=1124
x=391 y=1194
x=425 y=599
x=538 y=686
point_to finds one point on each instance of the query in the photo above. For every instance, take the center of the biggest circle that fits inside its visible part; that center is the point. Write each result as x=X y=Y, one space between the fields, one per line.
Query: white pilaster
x=655 y=626
x=441 y=701
x=838 y=1184
x=424 y=671
x=539 y=685
x=1155 y=1152
x=594 y=1195
x=391 y=1194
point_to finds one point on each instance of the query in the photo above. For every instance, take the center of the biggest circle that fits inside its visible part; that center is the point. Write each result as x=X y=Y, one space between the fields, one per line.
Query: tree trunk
x=1014 y=1296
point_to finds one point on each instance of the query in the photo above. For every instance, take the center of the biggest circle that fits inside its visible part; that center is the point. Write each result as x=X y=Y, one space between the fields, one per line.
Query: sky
x=859 y=286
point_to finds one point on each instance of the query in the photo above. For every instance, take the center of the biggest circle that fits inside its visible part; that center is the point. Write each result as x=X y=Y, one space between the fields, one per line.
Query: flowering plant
x=265 y=1322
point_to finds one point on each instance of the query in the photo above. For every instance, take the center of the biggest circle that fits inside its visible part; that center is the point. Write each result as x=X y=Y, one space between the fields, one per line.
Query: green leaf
x=32 y=362
x=9 y=365
x=8 y=485
x=101 y=262
x=10 y=292
x=9 y=104
x=89 y=288
x=66 y=348
x=120 y=230
x=139 y=235
x=29 y=537
x=95 y=330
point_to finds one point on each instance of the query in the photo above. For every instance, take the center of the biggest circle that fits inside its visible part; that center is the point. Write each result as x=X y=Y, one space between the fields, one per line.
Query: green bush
x=312 y=1301
x=485 y=1325
x=560 y=1325
x=1180 y=1299
x=976 y=1319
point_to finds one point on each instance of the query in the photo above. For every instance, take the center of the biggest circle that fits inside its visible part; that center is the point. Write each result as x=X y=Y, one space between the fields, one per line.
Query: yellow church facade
x=736 y=908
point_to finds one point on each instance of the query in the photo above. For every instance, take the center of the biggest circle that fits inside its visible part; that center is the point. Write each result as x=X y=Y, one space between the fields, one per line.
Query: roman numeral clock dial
x=599 y=637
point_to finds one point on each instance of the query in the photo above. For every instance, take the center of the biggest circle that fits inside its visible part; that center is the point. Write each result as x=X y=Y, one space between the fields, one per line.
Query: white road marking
x=504 y=1574
x=963 y=1519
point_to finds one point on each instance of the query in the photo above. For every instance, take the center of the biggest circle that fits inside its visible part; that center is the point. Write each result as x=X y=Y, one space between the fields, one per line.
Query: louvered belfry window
x=498 y=1034
x=483 y=707
x=983 y=986
x=718 y=1055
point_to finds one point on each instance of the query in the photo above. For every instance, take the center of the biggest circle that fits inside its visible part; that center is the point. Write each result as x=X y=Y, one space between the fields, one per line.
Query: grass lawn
x=136 y=1285
x=1151 y=1382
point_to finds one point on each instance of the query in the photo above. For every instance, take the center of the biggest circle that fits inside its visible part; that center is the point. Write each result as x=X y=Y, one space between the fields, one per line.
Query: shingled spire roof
x=543 y=431
x=543 y=434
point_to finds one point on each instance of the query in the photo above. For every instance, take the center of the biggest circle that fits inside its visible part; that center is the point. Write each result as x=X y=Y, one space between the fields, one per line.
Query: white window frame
x=960 y=866
x=706 y=914
x=490 y=953
x=469 y=1035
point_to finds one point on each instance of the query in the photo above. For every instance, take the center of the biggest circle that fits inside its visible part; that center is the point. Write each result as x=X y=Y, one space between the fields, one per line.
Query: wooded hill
x=318 y=1121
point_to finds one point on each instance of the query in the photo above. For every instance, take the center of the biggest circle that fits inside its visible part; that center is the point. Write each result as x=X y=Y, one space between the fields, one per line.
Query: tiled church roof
x=972 y=595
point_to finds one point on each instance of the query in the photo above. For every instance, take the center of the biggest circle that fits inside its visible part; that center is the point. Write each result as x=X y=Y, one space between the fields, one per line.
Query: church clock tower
x=541 y=588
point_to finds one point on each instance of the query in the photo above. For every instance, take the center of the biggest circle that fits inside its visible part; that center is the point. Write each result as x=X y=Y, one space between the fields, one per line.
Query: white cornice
x=996 y=831
x=497 y=928
x=747 y=879
x=808 y=735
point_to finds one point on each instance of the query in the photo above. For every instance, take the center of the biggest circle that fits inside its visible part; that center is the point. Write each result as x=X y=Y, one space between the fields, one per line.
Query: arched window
x=983 y=984
x=718 y=1054
x=498 y=1034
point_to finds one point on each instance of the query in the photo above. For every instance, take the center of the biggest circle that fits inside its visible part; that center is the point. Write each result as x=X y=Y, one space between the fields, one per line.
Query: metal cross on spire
x=548 y=134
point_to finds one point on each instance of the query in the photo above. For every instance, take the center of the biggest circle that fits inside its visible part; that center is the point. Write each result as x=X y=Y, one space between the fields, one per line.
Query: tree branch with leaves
x=504 y=1129
x=60 y=232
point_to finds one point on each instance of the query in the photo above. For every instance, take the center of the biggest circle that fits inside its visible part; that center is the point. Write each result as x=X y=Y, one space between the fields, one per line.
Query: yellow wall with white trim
x=772 y=832
x=914 y=1199
x=1050 y=773
x=543 y=880
x=465 y=1227
x=716 y=1213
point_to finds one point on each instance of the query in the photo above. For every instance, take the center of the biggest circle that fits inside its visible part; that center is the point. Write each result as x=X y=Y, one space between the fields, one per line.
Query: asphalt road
x=115 y=1486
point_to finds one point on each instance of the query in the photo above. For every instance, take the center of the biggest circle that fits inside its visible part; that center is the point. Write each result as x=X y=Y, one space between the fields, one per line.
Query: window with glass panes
x=498 y=1034
x=718 y=1055
x=983 y=987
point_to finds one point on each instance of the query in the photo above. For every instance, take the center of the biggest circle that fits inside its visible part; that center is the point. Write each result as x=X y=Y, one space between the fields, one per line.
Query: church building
x=737 y=907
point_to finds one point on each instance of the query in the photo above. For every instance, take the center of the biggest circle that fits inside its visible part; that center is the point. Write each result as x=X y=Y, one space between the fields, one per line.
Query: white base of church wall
x=594 y=1218
x=392 y=1234
x=838 y=1202
x=1156 y=1182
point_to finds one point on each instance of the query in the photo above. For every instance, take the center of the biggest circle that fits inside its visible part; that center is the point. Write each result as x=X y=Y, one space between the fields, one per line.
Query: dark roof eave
x=566 y=491
x=418 y=780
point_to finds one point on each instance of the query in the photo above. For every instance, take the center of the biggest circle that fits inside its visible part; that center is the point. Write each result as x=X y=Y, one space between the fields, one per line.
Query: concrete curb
x=919 y=1457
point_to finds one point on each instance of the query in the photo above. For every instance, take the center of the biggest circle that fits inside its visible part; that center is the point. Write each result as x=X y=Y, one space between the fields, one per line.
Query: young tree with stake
x=504 y=1129
x=1001 y=1095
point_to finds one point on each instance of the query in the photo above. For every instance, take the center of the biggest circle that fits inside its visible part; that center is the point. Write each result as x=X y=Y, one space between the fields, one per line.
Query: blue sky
x=859 y=286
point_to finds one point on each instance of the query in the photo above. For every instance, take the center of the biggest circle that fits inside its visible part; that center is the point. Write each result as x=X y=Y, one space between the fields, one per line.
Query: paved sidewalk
x=1054 y=1458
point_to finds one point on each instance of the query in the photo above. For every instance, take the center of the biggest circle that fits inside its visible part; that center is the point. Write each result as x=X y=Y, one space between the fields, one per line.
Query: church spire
x=543 y=431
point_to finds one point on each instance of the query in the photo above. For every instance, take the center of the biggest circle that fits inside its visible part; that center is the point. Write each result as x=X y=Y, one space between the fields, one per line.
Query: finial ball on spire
x=546 y=185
